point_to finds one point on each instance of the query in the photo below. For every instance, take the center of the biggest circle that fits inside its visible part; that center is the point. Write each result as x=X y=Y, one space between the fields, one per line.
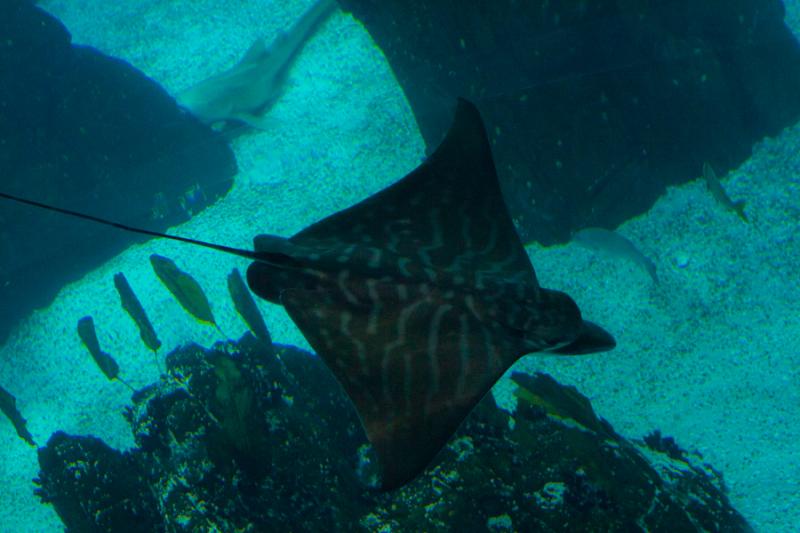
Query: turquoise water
x=707 y=356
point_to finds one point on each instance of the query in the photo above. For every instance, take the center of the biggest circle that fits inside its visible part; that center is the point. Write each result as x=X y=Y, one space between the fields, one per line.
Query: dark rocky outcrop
x=253 y=437
x=593 y=108
x=90 y=133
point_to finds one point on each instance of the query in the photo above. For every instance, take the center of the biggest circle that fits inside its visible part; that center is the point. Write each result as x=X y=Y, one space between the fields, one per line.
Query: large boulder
x=593 y=108
x=91 y=133
x=248 y=436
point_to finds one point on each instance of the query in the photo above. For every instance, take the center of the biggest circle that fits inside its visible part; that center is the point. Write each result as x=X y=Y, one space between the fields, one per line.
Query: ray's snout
x=591 y=339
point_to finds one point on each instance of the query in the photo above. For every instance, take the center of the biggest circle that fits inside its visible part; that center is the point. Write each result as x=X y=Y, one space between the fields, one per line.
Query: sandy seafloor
x=708 y=356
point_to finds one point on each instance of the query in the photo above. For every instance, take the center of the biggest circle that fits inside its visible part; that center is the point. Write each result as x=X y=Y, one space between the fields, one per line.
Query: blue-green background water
x=707 y=356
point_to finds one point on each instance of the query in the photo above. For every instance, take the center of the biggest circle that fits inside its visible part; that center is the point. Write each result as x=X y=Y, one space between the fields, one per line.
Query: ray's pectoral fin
x=414 y=367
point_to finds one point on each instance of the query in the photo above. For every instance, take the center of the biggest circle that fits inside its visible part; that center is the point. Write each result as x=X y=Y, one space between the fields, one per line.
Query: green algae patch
x=235 y=401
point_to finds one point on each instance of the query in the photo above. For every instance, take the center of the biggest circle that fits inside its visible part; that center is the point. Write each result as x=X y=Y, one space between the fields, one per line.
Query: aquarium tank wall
x=359 y=265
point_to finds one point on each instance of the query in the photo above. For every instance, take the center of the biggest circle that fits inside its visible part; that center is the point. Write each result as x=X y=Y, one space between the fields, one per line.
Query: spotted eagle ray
x=418 y=298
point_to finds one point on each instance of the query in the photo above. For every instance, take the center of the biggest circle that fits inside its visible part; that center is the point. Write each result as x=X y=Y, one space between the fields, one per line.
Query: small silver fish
x=614 y=244
x=719 y=194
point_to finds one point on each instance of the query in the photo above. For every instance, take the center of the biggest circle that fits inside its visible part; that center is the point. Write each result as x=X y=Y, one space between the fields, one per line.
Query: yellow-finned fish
x=184 y=288
x=135 y=310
